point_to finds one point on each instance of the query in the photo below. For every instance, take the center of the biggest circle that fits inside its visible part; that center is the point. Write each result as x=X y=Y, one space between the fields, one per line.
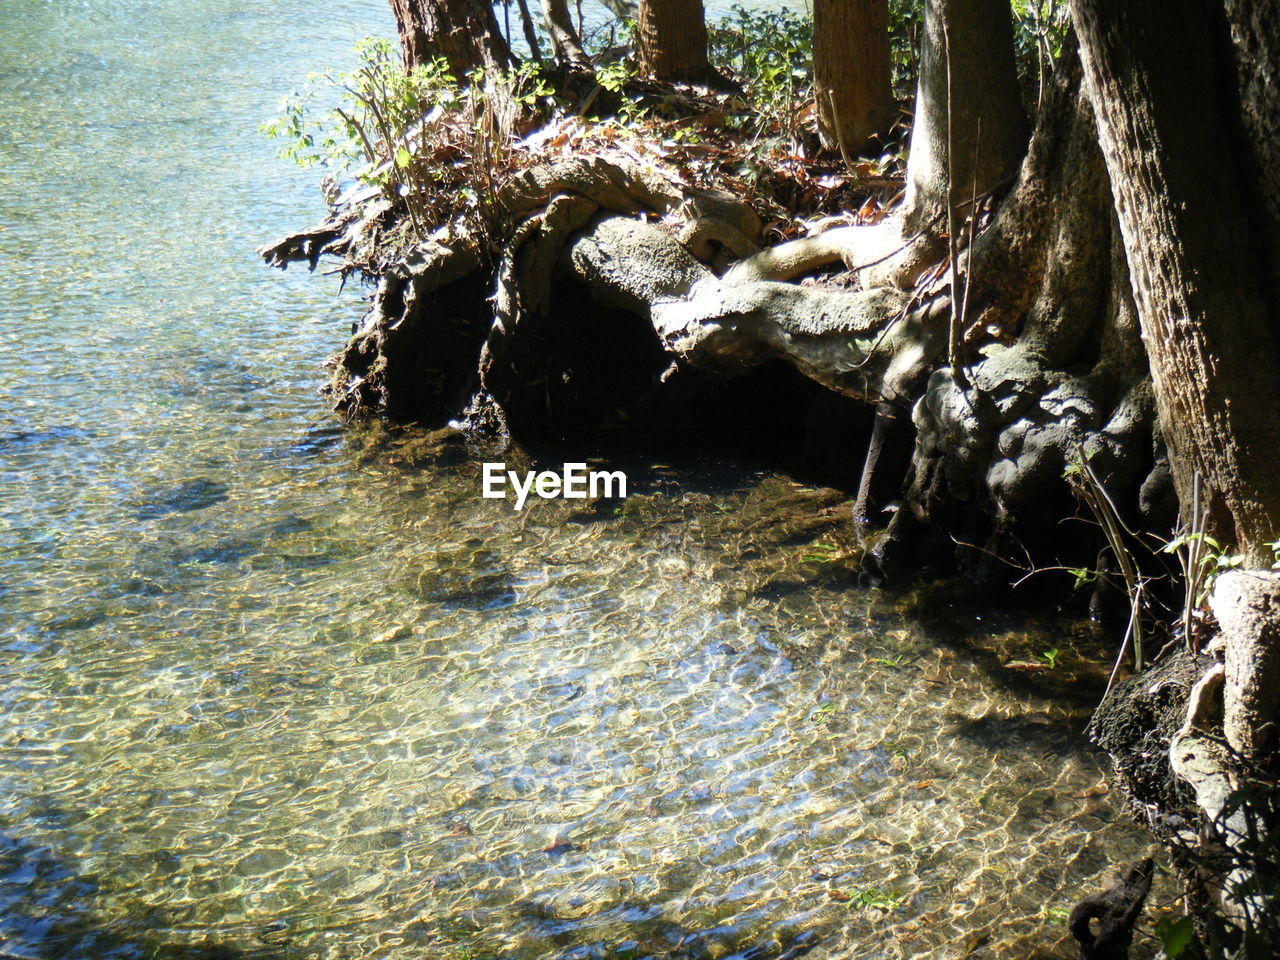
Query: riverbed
x=275 y=688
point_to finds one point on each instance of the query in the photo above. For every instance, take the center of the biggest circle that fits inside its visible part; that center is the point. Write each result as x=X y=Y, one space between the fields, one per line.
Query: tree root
x=852 y=246
x=339 y=235
x=1115 y=910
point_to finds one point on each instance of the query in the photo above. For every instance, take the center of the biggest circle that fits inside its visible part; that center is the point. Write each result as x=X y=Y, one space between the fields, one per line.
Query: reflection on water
x=271 y=689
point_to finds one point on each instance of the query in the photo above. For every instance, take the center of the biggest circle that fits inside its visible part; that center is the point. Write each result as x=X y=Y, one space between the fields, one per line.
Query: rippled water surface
x=271 y=689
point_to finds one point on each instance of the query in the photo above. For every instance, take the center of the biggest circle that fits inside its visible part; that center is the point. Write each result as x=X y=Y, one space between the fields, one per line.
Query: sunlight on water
x=274 y=689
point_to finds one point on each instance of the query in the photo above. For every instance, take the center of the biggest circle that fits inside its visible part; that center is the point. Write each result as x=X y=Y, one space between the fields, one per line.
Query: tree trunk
x=1197 y=276
x=464 y=32
x=1256 y=40
x=566 y=45
x=851 y=72
x=530 y=34
x=1049 y=275
x=673 y=40
x=989 y=128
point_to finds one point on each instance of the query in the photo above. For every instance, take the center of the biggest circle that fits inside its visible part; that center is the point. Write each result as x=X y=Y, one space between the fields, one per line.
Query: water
x=273 y=689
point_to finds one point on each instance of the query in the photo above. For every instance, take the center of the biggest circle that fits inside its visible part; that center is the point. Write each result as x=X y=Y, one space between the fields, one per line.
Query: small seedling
x=1083 y=575
x=1050 y=657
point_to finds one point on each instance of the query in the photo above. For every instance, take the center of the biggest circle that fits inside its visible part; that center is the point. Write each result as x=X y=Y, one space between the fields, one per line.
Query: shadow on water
x=182 y=497
x=1050 y=671
x=47 y=913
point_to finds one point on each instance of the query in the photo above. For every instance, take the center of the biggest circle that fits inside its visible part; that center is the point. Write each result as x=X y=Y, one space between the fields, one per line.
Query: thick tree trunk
x=673 y=40
x=851 y=72
x=566 y=45
x=1255 y=33
x=464 y=32
x=1049 y=275
x=989 y=129
x=1197 y=275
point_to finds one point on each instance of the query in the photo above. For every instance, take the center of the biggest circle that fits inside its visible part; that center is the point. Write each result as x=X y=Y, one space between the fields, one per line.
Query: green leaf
x=1175 y=935
x=403 y=158
x=1083 y=575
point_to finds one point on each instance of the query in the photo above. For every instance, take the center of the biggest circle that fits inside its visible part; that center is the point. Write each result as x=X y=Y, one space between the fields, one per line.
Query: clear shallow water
x=272 y=689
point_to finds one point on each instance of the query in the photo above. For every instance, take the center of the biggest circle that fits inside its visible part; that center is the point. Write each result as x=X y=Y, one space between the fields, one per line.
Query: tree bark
x=566 y=45
x=851 y=72
x=1256 y=42
x=673 y=40
x=463 y=32
x=989 y=127
x=1197 y=277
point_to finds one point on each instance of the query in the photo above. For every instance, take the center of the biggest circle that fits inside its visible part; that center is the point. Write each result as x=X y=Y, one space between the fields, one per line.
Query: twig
x=973 y=225
x=835 y=122
x=953 y=242
x=1100 y=503
x=1131 y=633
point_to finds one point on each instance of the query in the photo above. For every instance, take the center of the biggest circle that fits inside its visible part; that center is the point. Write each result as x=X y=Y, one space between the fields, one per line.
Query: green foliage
x=897 y=661
x=905 y=19
x=614 y=77
x=421 y=136
x=820 y=553
x=771 y=52
x=1205 y=563
x=1084 y=576
x=1175 y=935
x=1056 y=915
x=874 y=898
x=1050 y=657
x=1040 y=32
x=377 y=105
x=1041 y=28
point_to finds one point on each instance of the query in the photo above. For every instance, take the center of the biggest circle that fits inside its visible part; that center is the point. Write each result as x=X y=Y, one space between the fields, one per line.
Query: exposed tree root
x=676 y=276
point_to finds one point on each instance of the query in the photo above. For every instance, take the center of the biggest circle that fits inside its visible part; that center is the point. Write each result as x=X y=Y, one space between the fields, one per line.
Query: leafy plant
x=1201 y=557
x=874 y=898
x=1084 y=576
x=819 y=553
x=771 y=52
x=1211 y=560
x=421 y=136
x=1175 y=935
x=1050 y=657
x=380 y=118
x=905 y=22
x=614 y=77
